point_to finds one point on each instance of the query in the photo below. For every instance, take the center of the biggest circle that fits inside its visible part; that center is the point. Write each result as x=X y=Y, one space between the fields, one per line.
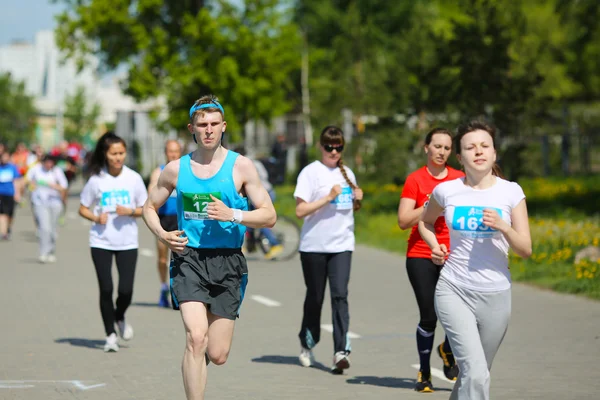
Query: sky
x=21 y=19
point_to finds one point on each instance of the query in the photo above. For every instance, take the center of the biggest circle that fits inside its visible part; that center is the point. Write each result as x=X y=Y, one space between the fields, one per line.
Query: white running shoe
x=340 y=362
x=306 y=357
x=112 y=343
x=51 y=258
x=125 y=330
x=43 y=259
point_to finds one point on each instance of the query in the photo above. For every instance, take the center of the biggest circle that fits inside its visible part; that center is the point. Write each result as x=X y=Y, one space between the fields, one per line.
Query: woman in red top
x=422 y=272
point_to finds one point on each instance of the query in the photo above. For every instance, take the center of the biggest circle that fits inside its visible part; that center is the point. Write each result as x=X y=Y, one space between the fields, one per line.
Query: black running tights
x=126 y=260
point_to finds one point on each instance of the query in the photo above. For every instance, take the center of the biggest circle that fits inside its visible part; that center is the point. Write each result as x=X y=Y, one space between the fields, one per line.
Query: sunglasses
x=329 y=148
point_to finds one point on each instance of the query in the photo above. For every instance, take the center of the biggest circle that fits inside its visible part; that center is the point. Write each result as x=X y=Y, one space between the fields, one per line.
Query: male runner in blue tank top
x=208 y=270
x=168 y=220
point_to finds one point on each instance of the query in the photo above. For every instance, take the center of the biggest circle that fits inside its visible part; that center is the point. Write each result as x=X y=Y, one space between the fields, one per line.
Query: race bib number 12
x=195 y=205
x=469 y=222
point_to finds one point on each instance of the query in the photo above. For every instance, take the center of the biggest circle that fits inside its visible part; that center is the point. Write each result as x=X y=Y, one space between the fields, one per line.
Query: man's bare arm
x=154 y=179
x=263 y=214
x=157 y=196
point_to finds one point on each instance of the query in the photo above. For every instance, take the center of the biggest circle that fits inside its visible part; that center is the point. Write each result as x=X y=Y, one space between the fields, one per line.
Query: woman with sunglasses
x=422 y=272
x=327 y=196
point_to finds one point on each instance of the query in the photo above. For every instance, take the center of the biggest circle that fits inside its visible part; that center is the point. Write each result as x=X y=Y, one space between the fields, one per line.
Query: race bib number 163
x=468 y=221
x=195 y=205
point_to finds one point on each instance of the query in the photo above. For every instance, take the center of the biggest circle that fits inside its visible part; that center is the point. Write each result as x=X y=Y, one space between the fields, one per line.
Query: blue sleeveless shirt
x=170 y=207
x=193 y=197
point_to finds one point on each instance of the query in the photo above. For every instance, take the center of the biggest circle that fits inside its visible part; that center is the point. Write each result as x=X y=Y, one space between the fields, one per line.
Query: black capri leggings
x=126 y=260
x=423 y=275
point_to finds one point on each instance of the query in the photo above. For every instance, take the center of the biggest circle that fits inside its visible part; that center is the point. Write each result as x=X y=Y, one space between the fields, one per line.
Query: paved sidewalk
x=52 y=334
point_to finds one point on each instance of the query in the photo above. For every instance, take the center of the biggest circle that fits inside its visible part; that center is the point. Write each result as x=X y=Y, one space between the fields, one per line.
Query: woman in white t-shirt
x=326 y=197
x=112 y=199
x=486 y=215
x=48 y=186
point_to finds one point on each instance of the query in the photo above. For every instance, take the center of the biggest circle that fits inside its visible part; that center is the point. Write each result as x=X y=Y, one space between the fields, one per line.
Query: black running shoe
x=450 y=367
x=424 y=383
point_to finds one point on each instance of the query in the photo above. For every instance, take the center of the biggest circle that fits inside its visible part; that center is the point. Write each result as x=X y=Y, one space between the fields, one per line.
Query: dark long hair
x=333 y=135
x=477 y=125
x=436 y=131
x=98 y=160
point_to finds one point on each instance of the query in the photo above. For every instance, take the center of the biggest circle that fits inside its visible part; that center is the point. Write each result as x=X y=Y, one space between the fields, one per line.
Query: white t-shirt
x=478 y=254
x=330 y=229
x=42 y=179
x=103 y=192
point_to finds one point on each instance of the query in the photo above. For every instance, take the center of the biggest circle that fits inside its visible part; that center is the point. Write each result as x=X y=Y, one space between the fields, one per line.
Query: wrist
x=132 y=212
x=237 y=217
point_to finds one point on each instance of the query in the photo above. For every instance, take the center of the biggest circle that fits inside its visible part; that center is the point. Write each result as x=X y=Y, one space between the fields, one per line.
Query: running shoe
x=424 y=383
x=340 y=363
x=112 y=343
x=125 y=330
x=274 y=252
x=164 y=298
x=306 y=357
x=450 y=367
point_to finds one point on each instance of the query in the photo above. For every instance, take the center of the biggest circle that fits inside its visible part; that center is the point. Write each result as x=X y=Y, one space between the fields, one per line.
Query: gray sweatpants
x=47 y=216
x=475 y=323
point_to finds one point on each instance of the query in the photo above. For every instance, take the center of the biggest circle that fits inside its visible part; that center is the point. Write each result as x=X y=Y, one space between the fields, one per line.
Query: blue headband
x=197 y=107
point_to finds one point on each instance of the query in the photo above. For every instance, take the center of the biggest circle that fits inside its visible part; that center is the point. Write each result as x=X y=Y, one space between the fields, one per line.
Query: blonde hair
x=207 y=99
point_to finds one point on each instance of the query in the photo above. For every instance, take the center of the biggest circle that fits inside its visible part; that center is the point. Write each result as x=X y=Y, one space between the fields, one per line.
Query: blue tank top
x=193 y=196
x=170 y=207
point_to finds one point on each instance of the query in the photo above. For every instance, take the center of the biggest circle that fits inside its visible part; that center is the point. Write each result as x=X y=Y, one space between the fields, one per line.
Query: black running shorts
x=7 y=205
x=168 y=222
x=215 y=277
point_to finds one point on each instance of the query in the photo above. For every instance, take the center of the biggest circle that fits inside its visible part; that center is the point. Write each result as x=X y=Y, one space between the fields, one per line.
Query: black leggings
x=317 y=268
x=423 y=275
x=126 y=260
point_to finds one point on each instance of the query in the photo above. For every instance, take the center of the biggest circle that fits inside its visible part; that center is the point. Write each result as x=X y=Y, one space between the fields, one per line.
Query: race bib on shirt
x=112 y=198
x=195 y=205
x=468 y=221
x=343 y=201
x=6 y=175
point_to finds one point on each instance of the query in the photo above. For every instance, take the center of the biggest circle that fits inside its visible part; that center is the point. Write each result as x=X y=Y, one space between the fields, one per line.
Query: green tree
x=243 y=52
x=17 y=112
x=80 y=116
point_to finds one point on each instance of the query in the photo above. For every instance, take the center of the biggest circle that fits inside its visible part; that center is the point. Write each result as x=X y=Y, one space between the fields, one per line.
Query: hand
x=439 y=254
x=335 y=191
x=124 y=210
x=102 y=219
x=358 y=193
x=17 y=197
x=218 y=211
x=174 y=241
x=492 y=219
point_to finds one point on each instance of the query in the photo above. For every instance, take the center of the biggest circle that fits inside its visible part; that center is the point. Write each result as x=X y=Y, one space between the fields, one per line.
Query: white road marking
x=265 y=300
x=81 y=386
x=329 y=328
x=30 y=383
x=435 y=372
x=146 y=253
x=14 y=385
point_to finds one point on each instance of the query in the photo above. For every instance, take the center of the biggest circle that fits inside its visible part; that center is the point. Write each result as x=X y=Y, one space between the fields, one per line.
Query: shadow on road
x=389 y=381
x=290 y=360
x=82 y=342
x=28 y=236
x=148 y=304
